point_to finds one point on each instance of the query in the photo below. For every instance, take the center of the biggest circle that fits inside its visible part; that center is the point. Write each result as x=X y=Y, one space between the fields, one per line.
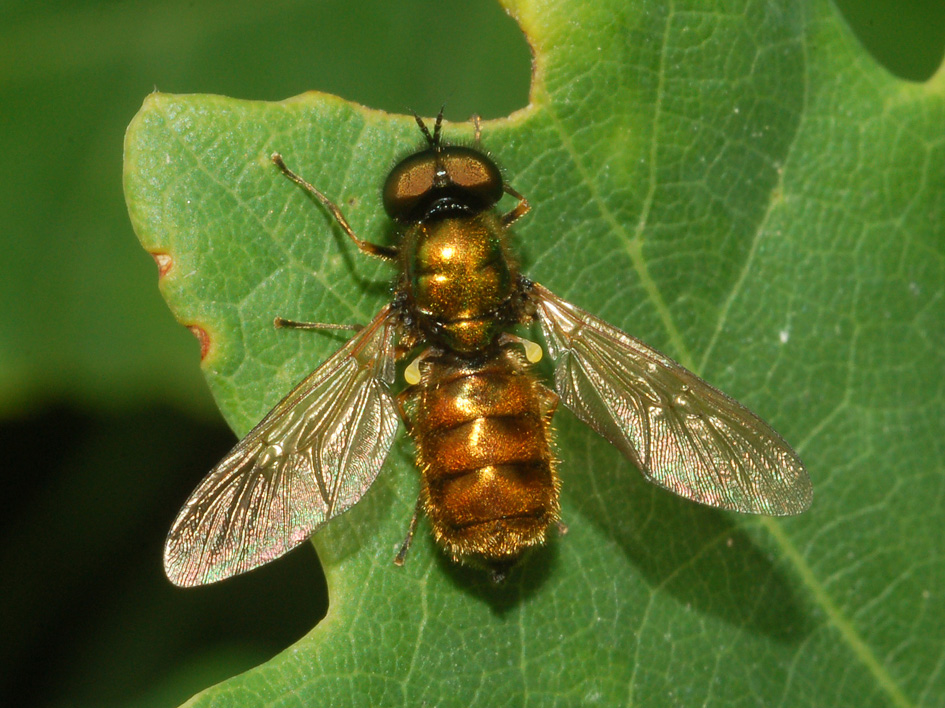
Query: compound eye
x=409 y=183
x=473 y=173
x=459 y=175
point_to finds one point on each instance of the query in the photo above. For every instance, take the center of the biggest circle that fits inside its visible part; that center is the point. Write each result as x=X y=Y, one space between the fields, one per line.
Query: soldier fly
x=479 y=415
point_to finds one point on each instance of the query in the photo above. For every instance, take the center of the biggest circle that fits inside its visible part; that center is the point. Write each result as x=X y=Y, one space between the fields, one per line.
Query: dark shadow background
x=105 y=423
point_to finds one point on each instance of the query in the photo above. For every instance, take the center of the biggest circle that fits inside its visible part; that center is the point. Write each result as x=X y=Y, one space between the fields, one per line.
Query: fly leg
x=477 y=128
x=372 y=249
x=402 y=553
x=520 y=210
x=404 y=402
x=282 y=322
x=523 y=207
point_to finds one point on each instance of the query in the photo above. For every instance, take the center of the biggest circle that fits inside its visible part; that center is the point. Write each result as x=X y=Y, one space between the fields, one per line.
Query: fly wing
x=311 y=458
x=683 y=434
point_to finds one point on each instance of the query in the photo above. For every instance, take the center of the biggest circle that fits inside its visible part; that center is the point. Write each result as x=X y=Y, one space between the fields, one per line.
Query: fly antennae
x=434 y=141
x=436 y=128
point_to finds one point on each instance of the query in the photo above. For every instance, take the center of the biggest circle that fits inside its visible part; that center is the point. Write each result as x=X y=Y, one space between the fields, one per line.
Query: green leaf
x=79 y=323
x=737 y=184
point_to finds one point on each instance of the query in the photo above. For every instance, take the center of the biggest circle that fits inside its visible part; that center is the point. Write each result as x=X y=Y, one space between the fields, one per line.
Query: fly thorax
x=460 y=279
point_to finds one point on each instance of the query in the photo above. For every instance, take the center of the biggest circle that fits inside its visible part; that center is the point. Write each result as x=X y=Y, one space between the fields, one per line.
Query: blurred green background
x=106 y=422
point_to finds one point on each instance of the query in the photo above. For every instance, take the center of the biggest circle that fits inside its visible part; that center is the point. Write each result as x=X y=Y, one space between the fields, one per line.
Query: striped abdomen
x=483 y=447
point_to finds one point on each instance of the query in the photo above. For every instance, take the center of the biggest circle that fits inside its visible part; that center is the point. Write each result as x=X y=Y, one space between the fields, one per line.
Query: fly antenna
x=432 y=139
x=436 y=128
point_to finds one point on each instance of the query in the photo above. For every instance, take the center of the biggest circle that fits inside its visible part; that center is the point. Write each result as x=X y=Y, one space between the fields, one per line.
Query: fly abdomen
x=483 y=446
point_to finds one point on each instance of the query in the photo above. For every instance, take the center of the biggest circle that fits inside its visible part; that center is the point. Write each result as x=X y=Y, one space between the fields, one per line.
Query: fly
x=479 y=415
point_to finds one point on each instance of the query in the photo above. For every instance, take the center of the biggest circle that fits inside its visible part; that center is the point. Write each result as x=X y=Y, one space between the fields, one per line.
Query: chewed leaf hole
x=905 y=38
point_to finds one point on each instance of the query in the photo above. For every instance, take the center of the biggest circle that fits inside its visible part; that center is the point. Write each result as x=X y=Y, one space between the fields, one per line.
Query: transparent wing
x=683 y=434
x=311 y=458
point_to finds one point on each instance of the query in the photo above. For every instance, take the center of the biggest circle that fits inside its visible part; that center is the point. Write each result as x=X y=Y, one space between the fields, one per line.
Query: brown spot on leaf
x=201 y=334
x=164 y=263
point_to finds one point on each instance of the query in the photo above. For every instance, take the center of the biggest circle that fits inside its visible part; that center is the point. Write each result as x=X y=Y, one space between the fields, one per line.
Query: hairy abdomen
x=483 y=447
